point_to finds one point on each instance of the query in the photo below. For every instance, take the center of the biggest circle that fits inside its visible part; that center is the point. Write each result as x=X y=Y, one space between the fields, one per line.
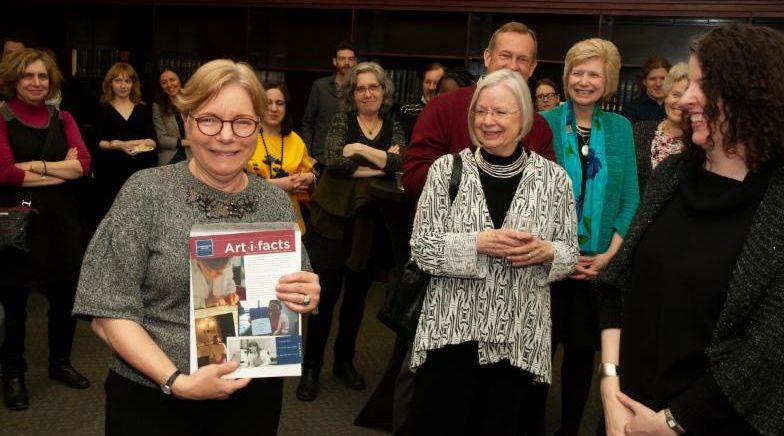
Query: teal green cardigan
x=622 y=193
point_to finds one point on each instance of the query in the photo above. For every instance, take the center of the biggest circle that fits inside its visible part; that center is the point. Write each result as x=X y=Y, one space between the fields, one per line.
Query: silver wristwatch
x=672 y=423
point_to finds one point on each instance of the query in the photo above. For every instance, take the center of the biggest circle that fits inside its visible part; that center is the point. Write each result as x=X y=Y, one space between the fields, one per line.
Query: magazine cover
x=235 y=314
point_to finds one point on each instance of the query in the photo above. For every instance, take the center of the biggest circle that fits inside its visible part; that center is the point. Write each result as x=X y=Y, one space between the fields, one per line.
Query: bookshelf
x=294 y=39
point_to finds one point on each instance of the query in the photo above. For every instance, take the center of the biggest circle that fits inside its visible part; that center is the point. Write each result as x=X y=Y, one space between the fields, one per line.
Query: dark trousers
x=61 y=325
x=575 y=314
x=352 y=309
x=133 y=409
x=454 y=395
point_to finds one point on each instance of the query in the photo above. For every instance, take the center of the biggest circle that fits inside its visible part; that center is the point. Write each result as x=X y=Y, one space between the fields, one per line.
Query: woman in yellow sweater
x=281 y=156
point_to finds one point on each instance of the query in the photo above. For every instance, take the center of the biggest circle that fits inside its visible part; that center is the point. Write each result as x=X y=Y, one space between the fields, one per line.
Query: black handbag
x=406 y=293
x=14 y=224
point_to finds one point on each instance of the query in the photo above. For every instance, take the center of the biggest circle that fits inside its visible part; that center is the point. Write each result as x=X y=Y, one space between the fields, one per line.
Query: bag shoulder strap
x=457 y=173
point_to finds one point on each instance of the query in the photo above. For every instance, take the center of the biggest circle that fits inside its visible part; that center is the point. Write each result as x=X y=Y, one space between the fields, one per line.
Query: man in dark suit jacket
x=322 y=103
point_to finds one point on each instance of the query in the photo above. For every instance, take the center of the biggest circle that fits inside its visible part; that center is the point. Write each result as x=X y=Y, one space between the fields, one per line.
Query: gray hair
x=346 y=93
x=677 y=73
x=515 y=83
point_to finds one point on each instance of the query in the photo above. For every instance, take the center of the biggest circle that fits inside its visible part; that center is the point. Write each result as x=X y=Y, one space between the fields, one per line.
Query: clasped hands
x=298 y=183
x=519 y=248
x=588 y=267
x=627 y=417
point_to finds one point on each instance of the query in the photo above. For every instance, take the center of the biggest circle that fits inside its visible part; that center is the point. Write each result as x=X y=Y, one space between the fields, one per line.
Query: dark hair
x=652 y=63
x=287 y=124
x=162 y=98
x=344 y=45
x=432 y=67
x=545 y=81
x=741 y=68
x=461 y=76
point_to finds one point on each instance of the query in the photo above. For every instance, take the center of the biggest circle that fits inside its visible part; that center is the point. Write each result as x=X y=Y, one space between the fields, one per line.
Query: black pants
x=133 y=409
x=575 y=313
x=454 y=395
x=351 y=311
x=61 y=325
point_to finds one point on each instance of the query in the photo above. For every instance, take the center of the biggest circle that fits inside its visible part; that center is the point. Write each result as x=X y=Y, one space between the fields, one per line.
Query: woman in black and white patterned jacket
x=482 y=348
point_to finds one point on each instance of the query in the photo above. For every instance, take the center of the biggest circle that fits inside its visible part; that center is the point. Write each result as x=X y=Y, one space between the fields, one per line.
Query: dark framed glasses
x=211 y=125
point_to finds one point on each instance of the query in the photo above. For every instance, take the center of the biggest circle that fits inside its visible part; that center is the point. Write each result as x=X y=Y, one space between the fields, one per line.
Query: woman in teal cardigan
x=597 y=150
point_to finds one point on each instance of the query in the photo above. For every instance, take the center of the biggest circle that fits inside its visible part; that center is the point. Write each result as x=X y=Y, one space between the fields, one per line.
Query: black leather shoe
x=66 y=374
x=15 y=393
x=345 y=372
x=308 y=387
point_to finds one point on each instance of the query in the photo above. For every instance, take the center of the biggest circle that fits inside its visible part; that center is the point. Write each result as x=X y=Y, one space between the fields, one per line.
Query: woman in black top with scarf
x=697 y=290
x=363 y=143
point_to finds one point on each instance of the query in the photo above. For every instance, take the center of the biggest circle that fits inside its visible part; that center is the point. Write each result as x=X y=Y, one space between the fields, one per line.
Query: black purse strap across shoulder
x=454 y=180
x=406 y=294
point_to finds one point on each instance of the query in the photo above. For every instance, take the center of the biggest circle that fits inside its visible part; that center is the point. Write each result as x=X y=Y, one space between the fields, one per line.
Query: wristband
x=608 y=370
x=167 y=387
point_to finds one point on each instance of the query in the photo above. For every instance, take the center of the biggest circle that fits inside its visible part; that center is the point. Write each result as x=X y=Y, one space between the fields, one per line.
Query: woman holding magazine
x=135 y=277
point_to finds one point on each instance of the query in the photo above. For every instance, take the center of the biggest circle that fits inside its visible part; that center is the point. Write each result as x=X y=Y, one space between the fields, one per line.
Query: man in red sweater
x=442 y=127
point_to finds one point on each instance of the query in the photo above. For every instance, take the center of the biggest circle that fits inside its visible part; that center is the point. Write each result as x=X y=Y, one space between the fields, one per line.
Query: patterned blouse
x=476 y=297
x=663 y=146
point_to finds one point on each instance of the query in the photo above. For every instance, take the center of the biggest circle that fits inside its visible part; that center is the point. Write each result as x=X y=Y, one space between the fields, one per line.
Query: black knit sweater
x=746 y=351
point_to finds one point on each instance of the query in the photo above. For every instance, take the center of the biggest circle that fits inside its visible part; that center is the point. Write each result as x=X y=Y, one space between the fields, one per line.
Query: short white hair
x=515 y=83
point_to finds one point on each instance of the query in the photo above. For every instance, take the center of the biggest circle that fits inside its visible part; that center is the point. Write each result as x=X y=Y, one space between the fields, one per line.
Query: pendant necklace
x=269 y=159
x=368 y=129
x=584 y=135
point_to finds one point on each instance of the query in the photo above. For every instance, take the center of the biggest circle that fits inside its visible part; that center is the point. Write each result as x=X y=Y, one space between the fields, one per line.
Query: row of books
x=93 y=63
x=628 y=90
x=408 y=85
x=185 y=67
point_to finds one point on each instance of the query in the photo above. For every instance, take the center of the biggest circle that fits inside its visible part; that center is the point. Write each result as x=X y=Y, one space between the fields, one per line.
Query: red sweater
x=36 y=116
x=442 y=128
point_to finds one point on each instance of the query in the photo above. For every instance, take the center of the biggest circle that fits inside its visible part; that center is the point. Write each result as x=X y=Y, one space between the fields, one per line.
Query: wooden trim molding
x=672 y=8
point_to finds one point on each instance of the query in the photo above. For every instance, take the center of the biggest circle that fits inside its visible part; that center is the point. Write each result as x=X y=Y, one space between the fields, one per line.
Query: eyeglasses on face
x=545 y=97
x=211 y=125
x=363 y=89
x=498 y=114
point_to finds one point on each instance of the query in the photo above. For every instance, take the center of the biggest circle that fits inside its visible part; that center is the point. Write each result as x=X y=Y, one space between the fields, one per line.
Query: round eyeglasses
x=211 y=125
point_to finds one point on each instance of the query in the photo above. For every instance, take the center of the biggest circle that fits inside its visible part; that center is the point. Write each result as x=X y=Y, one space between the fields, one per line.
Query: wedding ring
x=306 y=300
x=530 y=255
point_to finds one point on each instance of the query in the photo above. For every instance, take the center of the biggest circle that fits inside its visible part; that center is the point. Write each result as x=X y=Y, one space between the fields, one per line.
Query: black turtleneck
x=680 y=275
x=499 y=192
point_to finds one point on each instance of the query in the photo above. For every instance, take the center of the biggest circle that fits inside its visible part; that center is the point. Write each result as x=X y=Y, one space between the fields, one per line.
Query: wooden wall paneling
x=296 y=39
x=416 y=33
x=639 y=37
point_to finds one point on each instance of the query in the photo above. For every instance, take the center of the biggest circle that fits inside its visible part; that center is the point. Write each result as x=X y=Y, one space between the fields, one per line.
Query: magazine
x=235 y=314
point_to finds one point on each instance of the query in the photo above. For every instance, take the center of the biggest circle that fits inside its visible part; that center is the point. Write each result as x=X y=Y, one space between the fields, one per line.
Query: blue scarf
x=590 y=203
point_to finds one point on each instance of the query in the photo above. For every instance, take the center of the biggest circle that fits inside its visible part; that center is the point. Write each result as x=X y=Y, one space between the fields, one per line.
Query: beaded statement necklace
x=500 y=171
x=270 y=160
x=214 y=208
x=584 y=136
